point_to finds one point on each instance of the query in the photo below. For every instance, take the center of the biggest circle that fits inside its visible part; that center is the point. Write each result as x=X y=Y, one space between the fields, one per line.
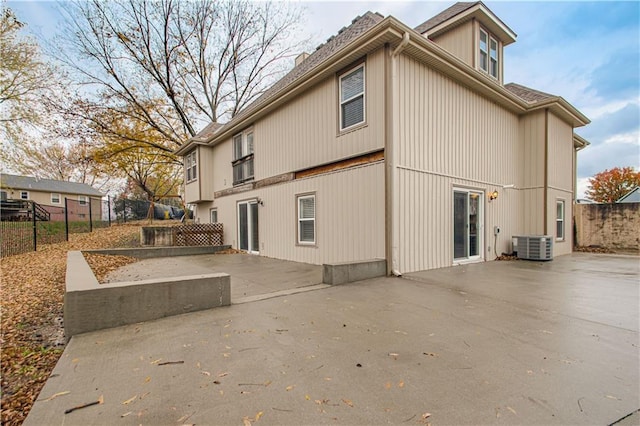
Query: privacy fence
x=25 y=224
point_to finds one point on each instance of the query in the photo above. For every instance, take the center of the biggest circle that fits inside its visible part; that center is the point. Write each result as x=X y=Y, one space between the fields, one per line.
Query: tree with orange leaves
x=608 y=186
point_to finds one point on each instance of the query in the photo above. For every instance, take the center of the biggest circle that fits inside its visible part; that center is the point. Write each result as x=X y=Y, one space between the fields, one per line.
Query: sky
x=586 y=52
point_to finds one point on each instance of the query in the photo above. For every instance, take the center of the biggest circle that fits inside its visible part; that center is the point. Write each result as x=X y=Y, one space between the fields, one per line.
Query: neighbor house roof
x=371 y=31
x=632 y=196
x=46 y=185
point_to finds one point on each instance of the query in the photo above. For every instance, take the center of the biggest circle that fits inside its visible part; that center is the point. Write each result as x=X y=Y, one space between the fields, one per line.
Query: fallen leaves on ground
x=103 y=264
x=32 y=294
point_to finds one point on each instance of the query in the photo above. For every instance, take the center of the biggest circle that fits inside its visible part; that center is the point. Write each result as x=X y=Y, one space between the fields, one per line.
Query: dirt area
x=32 y=294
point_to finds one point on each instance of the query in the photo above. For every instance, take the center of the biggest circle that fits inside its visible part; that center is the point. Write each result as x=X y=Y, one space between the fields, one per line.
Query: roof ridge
x=445 y=15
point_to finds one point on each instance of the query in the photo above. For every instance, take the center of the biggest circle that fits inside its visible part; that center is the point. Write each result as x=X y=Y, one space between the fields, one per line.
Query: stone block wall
x=614 y=226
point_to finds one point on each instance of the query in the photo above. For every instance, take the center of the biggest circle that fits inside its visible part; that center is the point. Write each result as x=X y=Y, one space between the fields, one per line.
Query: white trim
x=211 y=210
x=479 y=226
x=300 y=219
x=563 y=219
x=191 y=166
x=59 y=198
x=83 y=200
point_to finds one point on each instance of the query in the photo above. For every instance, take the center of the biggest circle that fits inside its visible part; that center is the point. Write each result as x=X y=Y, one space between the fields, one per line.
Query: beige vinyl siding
x=202 y=188
x=304 y=133
x=42 y=197
x=221 y=164
x=349 y=216
x=451 y=137
x=206 y=173
x=532 y=133
x=459 y=42
x=560 y=180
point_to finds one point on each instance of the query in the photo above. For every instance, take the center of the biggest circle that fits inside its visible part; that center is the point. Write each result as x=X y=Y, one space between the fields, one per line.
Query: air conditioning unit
x=533 y=247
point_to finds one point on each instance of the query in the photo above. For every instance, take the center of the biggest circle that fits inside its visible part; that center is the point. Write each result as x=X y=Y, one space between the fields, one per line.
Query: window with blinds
x=307 y=219
x=352 y=111
x=242 y=157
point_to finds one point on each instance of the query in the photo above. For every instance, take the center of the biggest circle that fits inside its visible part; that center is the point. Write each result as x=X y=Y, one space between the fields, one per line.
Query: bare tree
x=24 y=79
x=173 y=66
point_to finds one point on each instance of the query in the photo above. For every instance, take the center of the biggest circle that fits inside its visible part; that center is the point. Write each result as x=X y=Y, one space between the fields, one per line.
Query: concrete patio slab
x=494 y=343
x=250 y=275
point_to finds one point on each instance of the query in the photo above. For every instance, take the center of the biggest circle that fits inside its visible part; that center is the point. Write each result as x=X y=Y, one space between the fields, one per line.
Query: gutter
x=393 y=195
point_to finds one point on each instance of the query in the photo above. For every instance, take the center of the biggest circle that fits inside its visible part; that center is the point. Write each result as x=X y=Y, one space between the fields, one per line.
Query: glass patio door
x=467 y=225
x=248 y=238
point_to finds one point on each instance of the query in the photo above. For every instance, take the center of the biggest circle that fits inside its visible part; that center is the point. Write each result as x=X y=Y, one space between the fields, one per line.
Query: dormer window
x=488 y=54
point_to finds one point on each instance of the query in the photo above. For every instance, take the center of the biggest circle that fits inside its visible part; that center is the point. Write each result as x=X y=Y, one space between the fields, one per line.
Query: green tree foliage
x=610 y=185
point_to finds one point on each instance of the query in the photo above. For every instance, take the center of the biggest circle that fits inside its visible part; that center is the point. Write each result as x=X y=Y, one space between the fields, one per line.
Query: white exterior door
x=248 y=237
x=467 y=225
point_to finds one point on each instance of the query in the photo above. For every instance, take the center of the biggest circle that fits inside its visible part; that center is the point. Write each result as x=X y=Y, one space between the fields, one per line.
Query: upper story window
x=242 y=157
x=24 y=195
x=191 y=166
x=55 y=198
x=488 y=54
x=83 y=200
x=352 y=106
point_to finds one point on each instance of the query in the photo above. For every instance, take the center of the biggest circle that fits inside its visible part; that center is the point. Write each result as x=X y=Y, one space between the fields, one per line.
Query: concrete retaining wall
x=90 y=306
x=342 y=273
x=614 y=226
x=151 y=252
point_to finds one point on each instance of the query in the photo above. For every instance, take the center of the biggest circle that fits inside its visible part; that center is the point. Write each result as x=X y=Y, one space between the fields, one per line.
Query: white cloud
x=625 y=138
x=582 y=185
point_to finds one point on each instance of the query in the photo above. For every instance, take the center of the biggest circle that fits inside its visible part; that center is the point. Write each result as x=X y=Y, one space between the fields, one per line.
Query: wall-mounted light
x=493 y=195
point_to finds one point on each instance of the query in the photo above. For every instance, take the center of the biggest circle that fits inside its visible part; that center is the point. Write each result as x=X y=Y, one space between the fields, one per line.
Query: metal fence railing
x=25 y=224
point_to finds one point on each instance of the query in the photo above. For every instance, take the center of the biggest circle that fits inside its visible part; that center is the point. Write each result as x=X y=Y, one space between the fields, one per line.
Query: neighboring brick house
x=51 y=195
x=396 y=143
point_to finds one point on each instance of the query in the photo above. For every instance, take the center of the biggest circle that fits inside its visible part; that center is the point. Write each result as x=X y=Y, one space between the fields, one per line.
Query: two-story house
x=396 y=143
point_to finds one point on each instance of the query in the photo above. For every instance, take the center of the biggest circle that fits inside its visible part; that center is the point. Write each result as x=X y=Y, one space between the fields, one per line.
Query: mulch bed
x=32 y=294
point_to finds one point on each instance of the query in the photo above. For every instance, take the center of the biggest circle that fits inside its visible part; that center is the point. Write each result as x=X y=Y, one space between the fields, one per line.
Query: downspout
x=546 y=172
x=392 y=141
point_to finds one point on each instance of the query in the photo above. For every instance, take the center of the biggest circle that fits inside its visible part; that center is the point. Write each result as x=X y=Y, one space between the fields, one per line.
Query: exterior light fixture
x=493 y=195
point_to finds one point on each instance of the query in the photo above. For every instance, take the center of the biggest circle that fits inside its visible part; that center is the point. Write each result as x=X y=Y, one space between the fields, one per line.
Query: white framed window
x=191 y=166
x=493 y=57
x=24 y=195
x=483 y=58
x=488 y=55
x=213 y=215
x=83 y=200
x=560 y=220
x=306 y=219
x=242 y=157
x=55 y=198
x=352 y=97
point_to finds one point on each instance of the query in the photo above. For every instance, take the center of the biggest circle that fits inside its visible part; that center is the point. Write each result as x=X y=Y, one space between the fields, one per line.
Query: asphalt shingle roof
x=445 y=15
x=527 y=94
x=358 y=26
x=47 y=185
